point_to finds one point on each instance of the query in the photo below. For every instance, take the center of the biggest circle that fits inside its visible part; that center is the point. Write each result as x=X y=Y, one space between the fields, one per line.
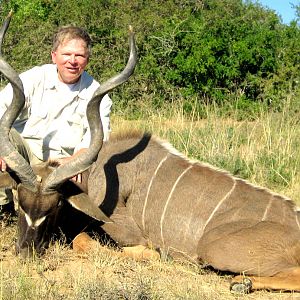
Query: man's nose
x=72 y=59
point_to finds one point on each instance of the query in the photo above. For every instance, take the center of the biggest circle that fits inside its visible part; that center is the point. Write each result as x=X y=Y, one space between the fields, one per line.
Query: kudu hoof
x=243 y=287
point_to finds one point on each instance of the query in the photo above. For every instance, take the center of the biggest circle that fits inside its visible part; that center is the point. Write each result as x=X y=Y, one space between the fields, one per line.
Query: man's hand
x=78 y=177
x=3 y=165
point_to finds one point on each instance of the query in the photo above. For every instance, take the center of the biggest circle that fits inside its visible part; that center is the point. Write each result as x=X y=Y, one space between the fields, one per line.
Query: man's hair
x=67 y=33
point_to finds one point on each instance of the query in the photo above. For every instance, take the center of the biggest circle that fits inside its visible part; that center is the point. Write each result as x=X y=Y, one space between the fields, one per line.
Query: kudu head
x=39 y=188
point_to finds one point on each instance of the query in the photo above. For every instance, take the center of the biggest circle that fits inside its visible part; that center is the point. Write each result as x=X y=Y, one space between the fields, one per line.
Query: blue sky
x=282 y=8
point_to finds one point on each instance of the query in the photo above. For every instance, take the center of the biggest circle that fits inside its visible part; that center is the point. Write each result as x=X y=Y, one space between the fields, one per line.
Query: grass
x=102 y=274
x=264 y=151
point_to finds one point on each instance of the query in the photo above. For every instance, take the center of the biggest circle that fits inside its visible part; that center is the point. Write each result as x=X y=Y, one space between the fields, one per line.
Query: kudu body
x=155 y=196
x=188 y=209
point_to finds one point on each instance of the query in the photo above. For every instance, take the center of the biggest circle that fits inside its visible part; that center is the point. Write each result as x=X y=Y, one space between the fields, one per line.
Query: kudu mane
x=53 y=163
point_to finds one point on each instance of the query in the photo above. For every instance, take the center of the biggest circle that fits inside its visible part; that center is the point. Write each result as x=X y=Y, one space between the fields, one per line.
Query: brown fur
x=120 y=135
x=211 y=216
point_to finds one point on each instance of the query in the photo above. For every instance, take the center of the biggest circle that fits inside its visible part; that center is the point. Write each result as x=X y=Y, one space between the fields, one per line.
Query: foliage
x=231 y=53
x=225 y=53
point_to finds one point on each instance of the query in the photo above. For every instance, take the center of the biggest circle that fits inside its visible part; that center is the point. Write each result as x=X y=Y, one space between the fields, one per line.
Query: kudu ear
x=83 y=203
x=6 y=181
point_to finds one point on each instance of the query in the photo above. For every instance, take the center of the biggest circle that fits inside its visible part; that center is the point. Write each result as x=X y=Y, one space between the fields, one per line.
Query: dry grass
x=103 y=274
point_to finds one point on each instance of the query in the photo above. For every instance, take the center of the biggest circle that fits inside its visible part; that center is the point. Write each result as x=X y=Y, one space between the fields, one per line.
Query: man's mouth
x=73 y=70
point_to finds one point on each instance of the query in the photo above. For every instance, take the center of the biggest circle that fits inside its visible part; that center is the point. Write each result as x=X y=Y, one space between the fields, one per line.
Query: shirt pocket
x=36 y=123
x=39 y=111
x=72 y=133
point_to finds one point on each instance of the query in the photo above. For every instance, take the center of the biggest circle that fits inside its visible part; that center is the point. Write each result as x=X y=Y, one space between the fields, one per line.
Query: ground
x=104 y=273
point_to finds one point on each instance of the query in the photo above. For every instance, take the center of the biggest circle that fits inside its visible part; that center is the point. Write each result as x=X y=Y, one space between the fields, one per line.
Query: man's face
x=71 y=58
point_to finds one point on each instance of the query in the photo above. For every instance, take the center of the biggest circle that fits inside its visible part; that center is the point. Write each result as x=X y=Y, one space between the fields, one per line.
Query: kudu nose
x=24 y=252
x=27 y=252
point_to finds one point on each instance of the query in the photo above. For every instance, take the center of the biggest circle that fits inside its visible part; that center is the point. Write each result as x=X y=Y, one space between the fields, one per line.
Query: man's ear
x=53 y=56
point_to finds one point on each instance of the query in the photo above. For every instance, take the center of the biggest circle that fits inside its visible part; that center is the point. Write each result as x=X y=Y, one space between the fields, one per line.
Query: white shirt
x=53 y=120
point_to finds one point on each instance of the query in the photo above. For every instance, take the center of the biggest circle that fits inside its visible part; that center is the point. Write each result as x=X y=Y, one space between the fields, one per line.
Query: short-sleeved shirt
x=53 y=120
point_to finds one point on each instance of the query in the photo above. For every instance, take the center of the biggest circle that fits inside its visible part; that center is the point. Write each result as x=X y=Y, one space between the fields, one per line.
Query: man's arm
x=28 y=79
x=105 y=108
x=3 y=165
x=6 y=95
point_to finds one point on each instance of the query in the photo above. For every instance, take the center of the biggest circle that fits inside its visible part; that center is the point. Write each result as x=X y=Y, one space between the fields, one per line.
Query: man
x=53 y=123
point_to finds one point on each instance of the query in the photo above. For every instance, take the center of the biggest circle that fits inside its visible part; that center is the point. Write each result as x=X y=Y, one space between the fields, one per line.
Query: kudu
x=156 y=196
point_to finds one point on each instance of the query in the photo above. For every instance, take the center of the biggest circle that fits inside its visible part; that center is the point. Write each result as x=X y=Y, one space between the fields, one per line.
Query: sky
x=282 y=8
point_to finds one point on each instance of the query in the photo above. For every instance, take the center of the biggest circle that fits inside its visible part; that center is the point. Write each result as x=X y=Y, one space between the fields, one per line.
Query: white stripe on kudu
x=36 y=223
x=149 y=187
x=169 y=198
x=267 y=209
x=297 y=221
x=28 y=220
x=219 y=204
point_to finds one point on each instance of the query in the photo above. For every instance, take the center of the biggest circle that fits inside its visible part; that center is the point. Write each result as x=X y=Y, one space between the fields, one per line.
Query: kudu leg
x=288 y=280
x=84 y=244
x=124 y=229
x=140 y=253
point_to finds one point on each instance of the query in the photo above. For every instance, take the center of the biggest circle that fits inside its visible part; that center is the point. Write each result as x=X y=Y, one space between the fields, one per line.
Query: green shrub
x=231 y=53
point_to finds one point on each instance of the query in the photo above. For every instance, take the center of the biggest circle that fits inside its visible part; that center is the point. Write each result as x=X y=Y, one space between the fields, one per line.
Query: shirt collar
x=52 y=79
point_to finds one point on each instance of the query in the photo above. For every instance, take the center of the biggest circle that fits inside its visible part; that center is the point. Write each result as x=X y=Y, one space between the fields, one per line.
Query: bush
x=233 y=53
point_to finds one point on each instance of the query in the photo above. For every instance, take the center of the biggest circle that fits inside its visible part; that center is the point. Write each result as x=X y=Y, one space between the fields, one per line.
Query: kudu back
x=153 y=195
